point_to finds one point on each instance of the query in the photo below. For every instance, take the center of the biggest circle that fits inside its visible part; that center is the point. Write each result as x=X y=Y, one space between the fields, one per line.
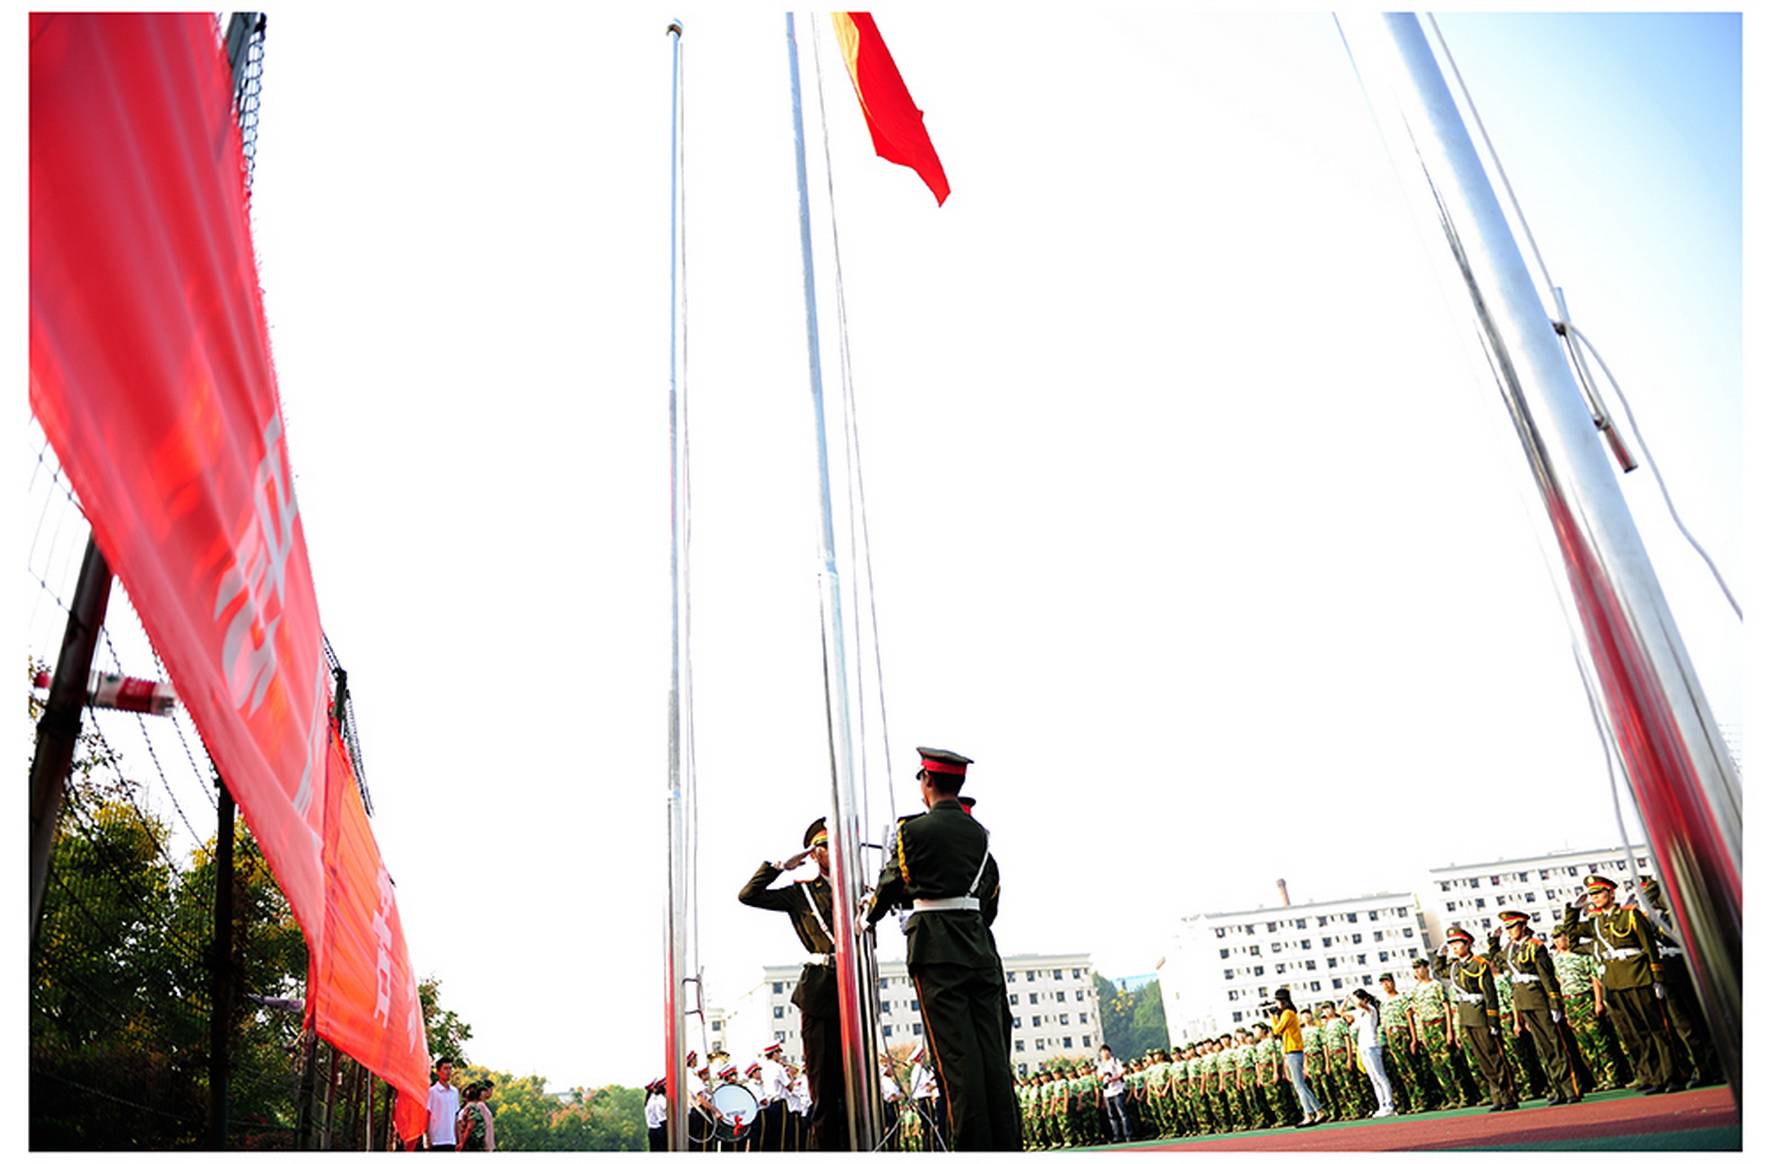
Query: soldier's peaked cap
x=942 y=761
x=814 y=833
x=1458 y=934
x=1599 y=881
x=1509 y=916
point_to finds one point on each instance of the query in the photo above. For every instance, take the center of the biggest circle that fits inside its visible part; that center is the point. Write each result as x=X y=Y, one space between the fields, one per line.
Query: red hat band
x=942 y=767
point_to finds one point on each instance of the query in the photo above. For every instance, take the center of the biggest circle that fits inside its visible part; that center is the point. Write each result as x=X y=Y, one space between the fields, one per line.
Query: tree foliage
x=1132 y=1021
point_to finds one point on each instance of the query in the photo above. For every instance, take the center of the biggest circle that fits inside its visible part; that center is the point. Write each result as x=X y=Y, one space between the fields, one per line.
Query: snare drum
x=737 y=1111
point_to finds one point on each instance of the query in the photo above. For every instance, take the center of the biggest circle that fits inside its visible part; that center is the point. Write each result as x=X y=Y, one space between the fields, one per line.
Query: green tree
x=444 y=1030
x=603 y=1119
x=1132 y=1021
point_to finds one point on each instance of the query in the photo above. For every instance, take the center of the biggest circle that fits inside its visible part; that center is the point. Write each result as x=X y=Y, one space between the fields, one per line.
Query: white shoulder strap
x=972 y=892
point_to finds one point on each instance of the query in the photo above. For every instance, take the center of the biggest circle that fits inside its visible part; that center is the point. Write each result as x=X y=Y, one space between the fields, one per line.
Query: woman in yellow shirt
x=1291 y=1043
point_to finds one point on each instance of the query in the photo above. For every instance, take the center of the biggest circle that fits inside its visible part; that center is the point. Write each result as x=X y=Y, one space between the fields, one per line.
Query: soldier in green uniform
x=944 y=872
x=1537 y=1002
x=1212 y=1070
x=1683 y=1011
x=1337 y=1053
x=1089 y=1110
x=1280 y=1099
x=1401 y=1047
x=807 y=905
x=1623 y=940
x=1521 y=1060
x=1578 y=975
x=1242 y=1078
x=1478 y=1014
x=1426 y=998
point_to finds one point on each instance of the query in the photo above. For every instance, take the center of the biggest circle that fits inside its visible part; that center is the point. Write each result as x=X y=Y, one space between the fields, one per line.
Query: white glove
x=1555 y=1016
x=1660 y=990
x=1495 y=1031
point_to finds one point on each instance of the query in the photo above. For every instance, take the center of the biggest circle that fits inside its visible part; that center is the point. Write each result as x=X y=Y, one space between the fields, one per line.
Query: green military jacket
x=1428 y=1001
x=1532 y=973
x=816 y=991
x=1335 y=1034
x=1472 y=989
x=941 y=854
x=1312 y=1034
x=1622 y=940
x=1266 y=1058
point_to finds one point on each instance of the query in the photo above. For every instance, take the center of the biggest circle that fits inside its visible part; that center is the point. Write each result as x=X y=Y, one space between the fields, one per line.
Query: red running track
x=1537 y=1126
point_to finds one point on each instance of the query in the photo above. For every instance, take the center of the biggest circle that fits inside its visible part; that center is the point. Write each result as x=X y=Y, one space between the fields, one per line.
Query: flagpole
x=1631 y=656
x=676 y=921
x=859 y=1043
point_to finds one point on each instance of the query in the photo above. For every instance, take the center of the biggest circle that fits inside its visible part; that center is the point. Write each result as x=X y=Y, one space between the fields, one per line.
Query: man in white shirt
x=771 y=1119
x=445 y=1105
x=799 y=1106
x=655 y=1115
x=1112 y=1073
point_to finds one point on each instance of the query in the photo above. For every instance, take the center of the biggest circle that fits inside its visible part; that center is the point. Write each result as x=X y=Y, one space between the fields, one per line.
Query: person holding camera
x=1291 y=1046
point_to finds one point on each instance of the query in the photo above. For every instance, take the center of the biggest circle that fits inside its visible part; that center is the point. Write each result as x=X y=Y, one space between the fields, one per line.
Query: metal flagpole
x=676 y=910
x=1631 y=655
x=858 y=1038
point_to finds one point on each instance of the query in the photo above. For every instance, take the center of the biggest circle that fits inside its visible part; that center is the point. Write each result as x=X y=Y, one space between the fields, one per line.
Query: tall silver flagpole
x=1680 y=771
x=858 y=1040
x=676 y=920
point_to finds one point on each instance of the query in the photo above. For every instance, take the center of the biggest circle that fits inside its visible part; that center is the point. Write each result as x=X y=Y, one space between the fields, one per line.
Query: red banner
x=151 y=375
x=892 y=117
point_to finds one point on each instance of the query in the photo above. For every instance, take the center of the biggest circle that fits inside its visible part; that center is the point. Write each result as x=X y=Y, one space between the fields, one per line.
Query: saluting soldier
x=808 y=905
x=1630 y=959
x=1478 y=1014
x=1682 y=1009
x=1537 y=1002
x=944 y=872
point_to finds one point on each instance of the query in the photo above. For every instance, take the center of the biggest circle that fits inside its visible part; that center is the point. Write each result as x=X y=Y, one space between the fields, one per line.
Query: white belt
x=927 y=904
x=1670 y=952
x=1617 y=952
x=1517 y=977
x=821 y=960
x=1477 y=999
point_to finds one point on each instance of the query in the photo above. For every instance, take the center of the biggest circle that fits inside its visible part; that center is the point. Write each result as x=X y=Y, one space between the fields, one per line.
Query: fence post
x=59 y=728
x=221 y=1002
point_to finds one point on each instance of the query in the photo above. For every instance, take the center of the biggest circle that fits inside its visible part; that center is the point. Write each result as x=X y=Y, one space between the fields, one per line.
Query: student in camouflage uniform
x=1630 y=975
x=1337 y=1053
x=1315 y=1065
x=1091 y=1107
x=1216 y=1067
x=1426 y=999
x=1578 y=975
x=1478 y=1014
x=1242 y=1076
x=1401 y=1056
x=1155 y=1114
x=1281 y=1101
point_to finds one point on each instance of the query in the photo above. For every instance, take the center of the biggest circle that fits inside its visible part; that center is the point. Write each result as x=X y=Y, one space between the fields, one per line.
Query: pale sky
x=1187 y=518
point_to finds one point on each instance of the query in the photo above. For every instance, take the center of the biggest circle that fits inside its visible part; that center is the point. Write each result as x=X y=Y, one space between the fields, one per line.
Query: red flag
x=151 y=375
x=892 y=117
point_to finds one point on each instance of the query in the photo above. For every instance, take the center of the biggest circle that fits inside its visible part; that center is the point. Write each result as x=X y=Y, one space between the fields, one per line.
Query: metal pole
x=59 y=727
x=331 y=1097
x=221 y=1005
x=1679 y=768
x=678 y=793
x=304 y=1095
x=858 y=1031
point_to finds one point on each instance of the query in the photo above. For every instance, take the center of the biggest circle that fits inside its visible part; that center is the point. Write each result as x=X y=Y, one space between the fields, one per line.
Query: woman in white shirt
x=1371 y=1050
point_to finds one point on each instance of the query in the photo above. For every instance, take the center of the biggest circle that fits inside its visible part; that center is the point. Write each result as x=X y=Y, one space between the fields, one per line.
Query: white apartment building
x=1052 y=1004
x=1472 y=896
x=1223 y=966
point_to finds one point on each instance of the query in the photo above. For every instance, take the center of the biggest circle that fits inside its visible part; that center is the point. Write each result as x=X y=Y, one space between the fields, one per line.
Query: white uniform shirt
x=655 y=1106
x=799 y=1095
x=774 y=1081
x=1365 y=1026
x=445 y=1105
x=1107 y=1068
x=888 y=1088
x=922 y=1083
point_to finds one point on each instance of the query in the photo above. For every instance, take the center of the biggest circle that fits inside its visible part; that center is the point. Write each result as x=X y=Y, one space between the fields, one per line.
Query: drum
x=737 y=1111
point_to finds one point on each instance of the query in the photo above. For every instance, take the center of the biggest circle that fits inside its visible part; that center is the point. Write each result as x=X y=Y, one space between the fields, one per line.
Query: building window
x=1494 y=880
x=915 y=1005
x=1362 y=959
x=1224 y=952
x=1372 y=916
x=1067 y=1043
x=1275 y=947
x=778 y=987
x=916 y=1028
x=780 y=1036
x=1076 y=972
x=1321 y=921
x=1236 y=1016
x=1017 y=1020
x=1316 y=985
x=1032 y=997
x=1272 y=927
x=1061 y=996
x=1082 y=1019
x=1229 y=973
x=1259 y=970
x=1064 y=1020
x=1014 y=1000
x=1220 y=930
x=1337 y=983
x=1036 y=1020
x=1327 y=941
x=1011 y=975
x=1305 y=943
x=1383 y=955
x=1531 y=897
x=887 y=1029
x=780 y=1012
x=1020 y=1044
x=1309 y=963
x=1408 y=931
x=1039 y=1044
x=885 y=1006
x=1333 y=962
x=1085 y=1040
